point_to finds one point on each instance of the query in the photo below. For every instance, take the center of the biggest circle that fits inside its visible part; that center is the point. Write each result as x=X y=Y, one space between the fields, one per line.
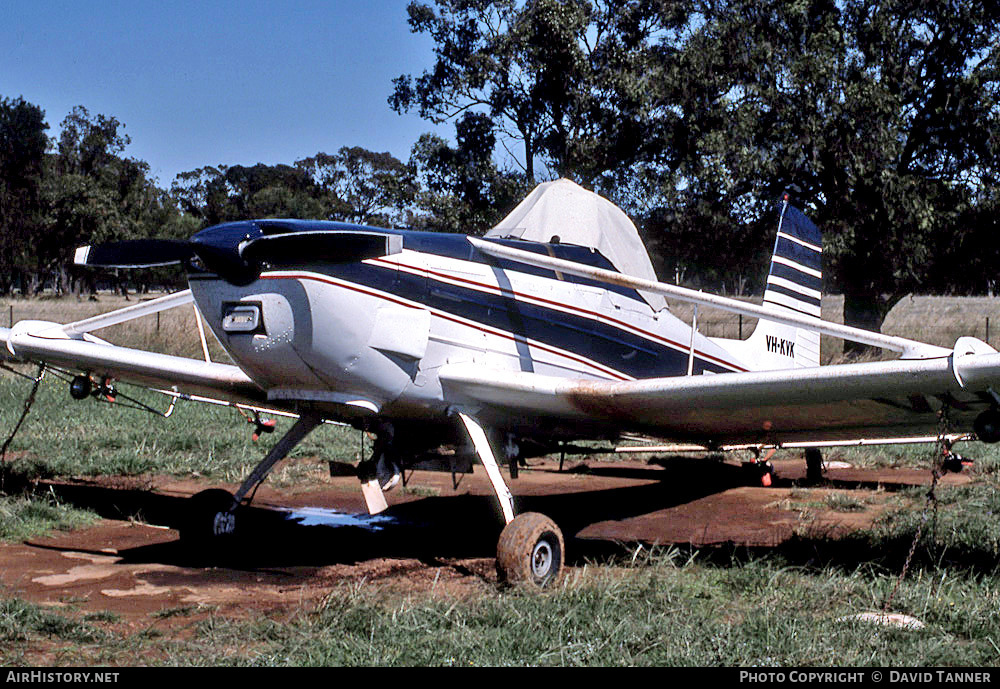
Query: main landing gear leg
x=531 y=547
x=213 y=514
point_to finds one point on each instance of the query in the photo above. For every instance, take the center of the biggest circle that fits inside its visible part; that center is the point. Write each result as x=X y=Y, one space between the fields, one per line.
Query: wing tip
x=81 y=255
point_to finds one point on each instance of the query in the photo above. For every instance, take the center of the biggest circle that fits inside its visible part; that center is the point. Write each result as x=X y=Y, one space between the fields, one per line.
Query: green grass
x=843 y=502
x=179 y=611
x=65 y=437
x=771 y=607
x=775 y=607
x=23 y=517
x=23 y=624
x=916 y=456
x=761 y=612
x=767 y=607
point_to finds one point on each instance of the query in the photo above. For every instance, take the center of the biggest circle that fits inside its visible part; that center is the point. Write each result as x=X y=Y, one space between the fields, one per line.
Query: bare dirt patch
x=437 y=538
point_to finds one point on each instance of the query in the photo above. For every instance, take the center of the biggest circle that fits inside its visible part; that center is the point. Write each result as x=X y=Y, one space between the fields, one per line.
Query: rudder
x=794 y=284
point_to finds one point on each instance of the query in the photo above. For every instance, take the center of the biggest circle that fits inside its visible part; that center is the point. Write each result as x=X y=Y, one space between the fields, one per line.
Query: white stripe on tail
x=794 y=284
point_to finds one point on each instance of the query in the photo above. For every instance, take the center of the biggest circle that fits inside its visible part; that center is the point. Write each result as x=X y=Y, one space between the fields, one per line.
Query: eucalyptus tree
x=23 y=143
x=565 y=81
x=883 y=117
x=362 y=186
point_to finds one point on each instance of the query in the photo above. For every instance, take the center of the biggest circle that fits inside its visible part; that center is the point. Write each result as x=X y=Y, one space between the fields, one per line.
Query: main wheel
x=530 y=550
x=210 y=519
x=987 y=426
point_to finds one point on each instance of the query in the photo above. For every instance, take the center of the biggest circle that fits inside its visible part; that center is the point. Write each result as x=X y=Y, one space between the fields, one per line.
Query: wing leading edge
x=40 y=342
x=854 y=401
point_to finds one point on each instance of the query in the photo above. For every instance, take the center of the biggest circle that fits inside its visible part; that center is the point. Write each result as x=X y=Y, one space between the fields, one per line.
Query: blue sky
x=208 y=83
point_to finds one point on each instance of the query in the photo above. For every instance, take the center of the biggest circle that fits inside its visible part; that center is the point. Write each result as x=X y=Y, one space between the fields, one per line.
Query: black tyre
x=987 y=426
x=814 y=465
x=531 y=550
x=210 y=519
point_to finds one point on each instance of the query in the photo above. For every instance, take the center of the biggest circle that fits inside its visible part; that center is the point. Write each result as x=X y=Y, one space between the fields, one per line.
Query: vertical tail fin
x=794 y=283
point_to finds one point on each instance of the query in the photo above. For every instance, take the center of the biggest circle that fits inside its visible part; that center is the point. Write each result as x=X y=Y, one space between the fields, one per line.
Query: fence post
x=987 y=329
x=741 y=326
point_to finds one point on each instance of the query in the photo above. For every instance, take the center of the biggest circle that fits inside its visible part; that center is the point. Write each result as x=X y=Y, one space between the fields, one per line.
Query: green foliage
x=85 y=191
x=224 y=193
x=881 y=117
x=568 y=81
x=353 y=185
x=361 y=186
x=22 y=160
x=460 y=188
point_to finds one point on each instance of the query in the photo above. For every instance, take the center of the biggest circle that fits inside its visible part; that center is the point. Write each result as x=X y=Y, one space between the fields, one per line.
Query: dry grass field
x=171 y=332
x=936 y=320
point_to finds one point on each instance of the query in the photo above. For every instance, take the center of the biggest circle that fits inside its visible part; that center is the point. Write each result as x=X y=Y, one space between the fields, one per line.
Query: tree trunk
x=867 y=311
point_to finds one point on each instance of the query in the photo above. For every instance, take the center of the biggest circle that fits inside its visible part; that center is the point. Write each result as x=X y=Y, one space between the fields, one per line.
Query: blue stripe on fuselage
x=615 y=348
x=603 y=343
x=442 y=244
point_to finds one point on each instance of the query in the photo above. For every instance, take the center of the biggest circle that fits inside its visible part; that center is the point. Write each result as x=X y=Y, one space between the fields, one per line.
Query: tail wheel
x=814 y=465
x=530 y=550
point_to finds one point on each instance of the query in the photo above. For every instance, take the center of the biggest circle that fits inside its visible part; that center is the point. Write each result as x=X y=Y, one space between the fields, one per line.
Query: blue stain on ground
x=319 y=516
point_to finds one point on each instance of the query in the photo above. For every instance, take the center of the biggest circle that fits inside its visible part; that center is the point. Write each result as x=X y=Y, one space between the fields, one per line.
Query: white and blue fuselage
x=369 y=337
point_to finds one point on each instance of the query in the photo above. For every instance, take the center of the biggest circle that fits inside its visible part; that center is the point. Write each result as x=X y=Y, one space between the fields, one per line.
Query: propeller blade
x=135 y=253
x=230 y=252
x=326 y=246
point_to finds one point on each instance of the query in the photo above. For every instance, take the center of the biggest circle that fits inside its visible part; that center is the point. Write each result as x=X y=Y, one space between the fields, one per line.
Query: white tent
x=566 y=210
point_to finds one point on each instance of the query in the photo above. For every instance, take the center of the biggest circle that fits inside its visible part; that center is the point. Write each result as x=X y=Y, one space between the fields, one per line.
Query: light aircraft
x=550 y=329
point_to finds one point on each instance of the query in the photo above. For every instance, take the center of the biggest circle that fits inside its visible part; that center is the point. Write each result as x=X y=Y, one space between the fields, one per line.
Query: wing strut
x=128 y=313
x=485 y=452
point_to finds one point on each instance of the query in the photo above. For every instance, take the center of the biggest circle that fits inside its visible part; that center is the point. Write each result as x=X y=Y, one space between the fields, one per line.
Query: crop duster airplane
x=551 y=328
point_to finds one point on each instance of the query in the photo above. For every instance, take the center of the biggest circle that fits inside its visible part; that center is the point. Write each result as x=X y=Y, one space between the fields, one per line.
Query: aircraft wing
x=887 y=399
x=49 y=343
